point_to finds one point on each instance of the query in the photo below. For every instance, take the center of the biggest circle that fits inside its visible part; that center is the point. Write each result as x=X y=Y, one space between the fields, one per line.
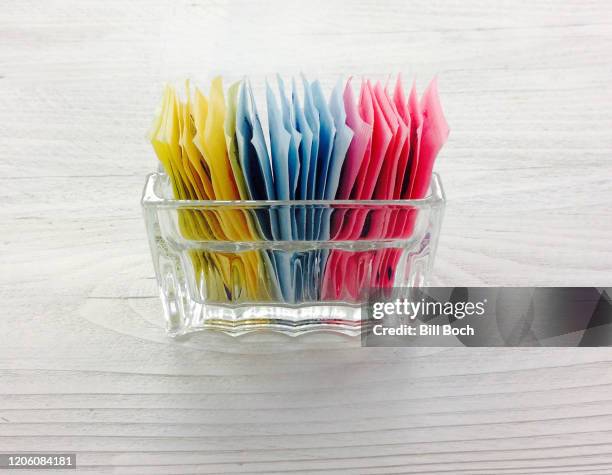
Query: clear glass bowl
x=289 y=266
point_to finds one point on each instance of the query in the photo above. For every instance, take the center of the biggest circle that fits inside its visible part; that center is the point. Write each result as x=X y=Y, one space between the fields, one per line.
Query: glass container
x=288 y=266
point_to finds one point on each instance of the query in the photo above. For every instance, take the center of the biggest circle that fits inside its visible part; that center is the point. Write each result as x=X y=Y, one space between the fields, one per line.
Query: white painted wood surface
x=84 y=363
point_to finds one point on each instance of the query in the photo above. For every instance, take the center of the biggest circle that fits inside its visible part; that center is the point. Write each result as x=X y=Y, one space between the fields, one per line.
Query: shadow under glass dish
x=288 y=266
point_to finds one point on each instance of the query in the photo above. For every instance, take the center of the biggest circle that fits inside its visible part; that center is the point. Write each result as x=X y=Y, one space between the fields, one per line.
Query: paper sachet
x=434 y=134
x=305 y=151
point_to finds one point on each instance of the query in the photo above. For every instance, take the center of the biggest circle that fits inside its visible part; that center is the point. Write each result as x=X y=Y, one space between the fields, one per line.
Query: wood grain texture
x=84 y=363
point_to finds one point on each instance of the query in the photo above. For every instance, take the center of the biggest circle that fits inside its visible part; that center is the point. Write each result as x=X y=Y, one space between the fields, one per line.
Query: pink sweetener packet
x=351 y=224
x=416 y=128
x=433 y=136
x=381 y=138
x=362 y=134
x=401 y=105
x=386 y=180
x=398 y=164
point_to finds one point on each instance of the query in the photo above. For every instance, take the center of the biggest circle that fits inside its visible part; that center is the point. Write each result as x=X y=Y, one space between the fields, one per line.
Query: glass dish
x=288 y=266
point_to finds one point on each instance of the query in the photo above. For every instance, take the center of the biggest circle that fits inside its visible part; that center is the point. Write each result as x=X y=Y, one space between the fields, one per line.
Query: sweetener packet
x=434 y=135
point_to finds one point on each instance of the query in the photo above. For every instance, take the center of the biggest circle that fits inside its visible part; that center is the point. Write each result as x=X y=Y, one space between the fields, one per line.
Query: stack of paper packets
x=379 y=143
